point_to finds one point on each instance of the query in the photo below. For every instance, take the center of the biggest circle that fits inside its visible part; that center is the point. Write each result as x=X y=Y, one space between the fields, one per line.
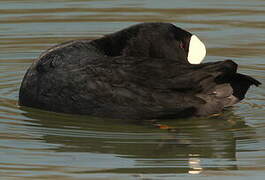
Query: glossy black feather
x=140 y=72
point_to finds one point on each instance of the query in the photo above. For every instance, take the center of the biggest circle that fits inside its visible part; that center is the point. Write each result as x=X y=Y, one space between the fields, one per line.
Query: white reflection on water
x=195 y=164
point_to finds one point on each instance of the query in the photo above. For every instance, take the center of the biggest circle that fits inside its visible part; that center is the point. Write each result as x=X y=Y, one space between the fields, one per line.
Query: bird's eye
x=181 y=45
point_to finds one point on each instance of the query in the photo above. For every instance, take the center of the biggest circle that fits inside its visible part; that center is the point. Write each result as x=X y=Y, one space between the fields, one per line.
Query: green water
x=36 y=144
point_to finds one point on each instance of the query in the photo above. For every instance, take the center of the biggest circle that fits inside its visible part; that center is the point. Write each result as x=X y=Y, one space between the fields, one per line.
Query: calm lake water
x=36 y=144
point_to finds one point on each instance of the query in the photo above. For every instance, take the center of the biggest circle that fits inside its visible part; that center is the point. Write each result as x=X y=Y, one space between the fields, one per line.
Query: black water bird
x=146 y=71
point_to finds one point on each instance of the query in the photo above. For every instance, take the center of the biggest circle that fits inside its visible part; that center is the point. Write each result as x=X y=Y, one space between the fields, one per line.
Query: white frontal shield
x=197 y=50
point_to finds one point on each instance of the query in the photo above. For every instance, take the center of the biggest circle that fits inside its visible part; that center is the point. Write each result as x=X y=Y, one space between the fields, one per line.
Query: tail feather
x=227 y=88
x=239 y=82
x=247 y=78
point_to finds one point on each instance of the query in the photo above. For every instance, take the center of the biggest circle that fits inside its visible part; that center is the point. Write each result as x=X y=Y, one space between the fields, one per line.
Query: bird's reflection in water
x=188 y=145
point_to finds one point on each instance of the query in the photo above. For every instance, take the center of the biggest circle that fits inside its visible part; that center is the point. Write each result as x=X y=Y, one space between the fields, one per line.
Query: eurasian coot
x=146 y=71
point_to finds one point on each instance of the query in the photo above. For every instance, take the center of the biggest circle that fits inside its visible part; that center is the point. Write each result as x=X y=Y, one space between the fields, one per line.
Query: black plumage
x=140 y=72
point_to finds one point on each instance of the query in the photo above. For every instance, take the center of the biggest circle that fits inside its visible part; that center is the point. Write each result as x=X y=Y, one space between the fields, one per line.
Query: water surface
x=36 y=144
